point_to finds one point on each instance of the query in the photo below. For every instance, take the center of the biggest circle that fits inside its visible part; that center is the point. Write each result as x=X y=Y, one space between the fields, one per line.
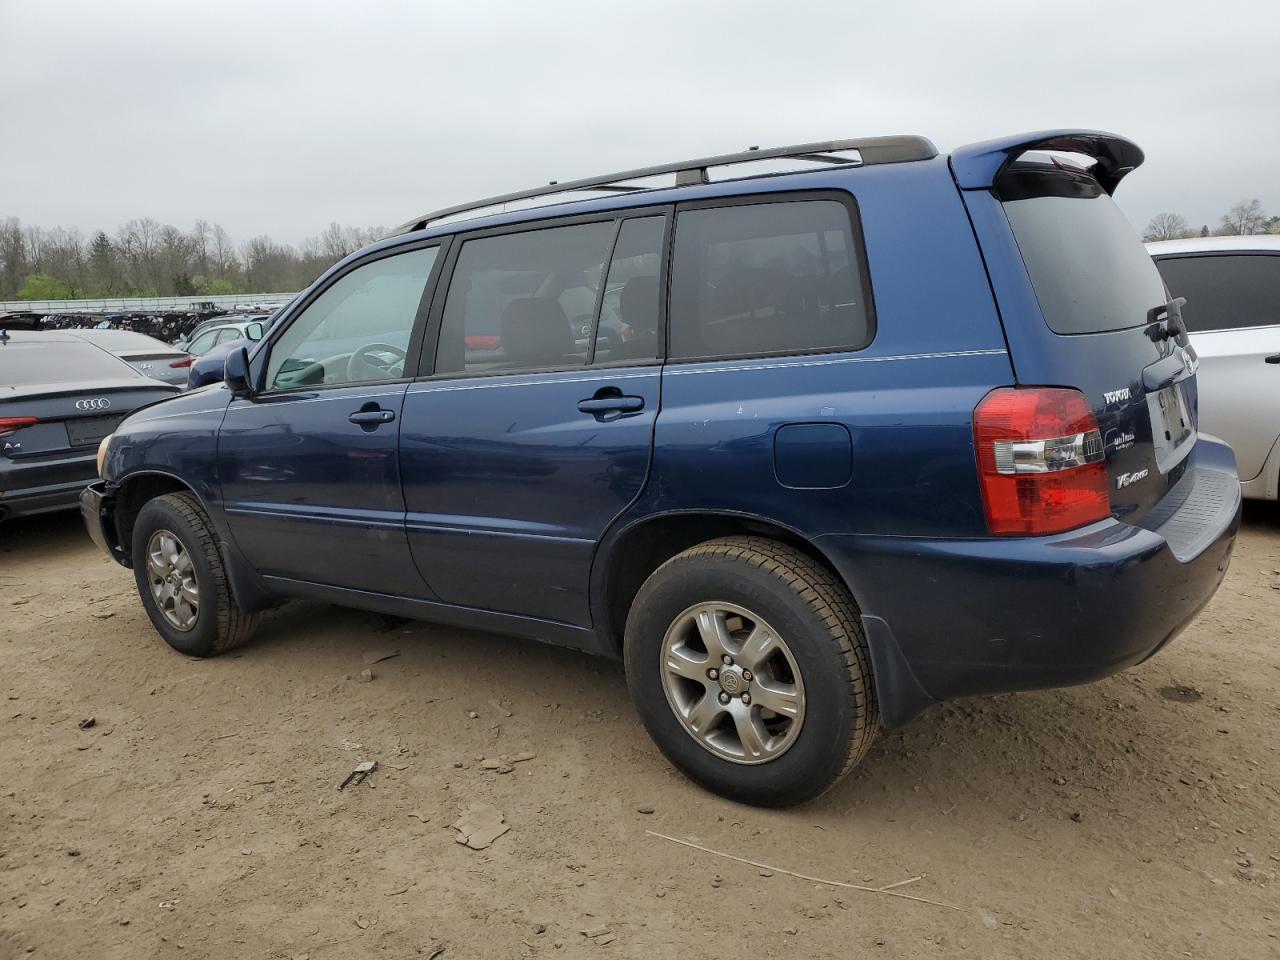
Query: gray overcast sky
x=278 y=117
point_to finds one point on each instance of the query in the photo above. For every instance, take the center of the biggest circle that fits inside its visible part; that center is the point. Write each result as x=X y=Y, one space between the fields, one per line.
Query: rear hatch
x=1105 y=327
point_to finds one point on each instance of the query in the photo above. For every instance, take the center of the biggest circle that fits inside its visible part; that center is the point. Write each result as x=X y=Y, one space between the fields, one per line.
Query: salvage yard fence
x=146 y=304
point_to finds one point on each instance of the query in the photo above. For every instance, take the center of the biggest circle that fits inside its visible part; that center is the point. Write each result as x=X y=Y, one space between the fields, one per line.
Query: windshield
x=1089 y=270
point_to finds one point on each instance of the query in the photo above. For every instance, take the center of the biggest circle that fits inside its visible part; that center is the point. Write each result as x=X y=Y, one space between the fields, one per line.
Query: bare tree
x=224 y=260
x=137 y=242
x=269 y=266
x=201 y=240
x=1244 y=219
x=1167 y=226
x=13 y=257
x=62 y=255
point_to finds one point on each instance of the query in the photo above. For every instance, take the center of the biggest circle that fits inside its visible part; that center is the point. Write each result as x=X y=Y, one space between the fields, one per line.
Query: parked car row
x=60 y=394
x=893 y=430
x=166 y=325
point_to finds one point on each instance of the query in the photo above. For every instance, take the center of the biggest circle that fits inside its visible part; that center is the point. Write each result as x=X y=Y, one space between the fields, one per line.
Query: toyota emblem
x=97 y=403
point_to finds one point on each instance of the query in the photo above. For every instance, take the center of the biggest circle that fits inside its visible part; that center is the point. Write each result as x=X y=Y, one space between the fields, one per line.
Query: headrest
x=638 y=303
x=535 y=331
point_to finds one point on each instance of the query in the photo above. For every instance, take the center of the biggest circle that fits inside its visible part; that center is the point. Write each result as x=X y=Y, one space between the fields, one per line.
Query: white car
x=1232 y=286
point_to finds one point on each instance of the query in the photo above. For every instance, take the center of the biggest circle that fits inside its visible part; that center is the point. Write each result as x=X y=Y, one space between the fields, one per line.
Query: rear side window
x=766 y=278
x=1090 y=272
x=1225 y=292
x=521 y=301
x=202 y=344
x=630 y=307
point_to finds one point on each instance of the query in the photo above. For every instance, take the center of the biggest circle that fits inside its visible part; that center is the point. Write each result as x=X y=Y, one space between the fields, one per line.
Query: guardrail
x=131 y=304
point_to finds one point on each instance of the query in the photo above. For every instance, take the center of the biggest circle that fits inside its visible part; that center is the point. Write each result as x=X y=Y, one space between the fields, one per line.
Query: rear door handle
x=372 y=417
x=611 y=404
x=600 y=405
x=1274 y=358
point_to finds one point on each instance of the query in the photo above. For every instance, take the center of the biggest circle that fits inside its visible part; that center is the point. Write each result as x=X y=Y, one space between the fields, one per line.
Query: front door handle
x=372 y=417
x=1274 y=358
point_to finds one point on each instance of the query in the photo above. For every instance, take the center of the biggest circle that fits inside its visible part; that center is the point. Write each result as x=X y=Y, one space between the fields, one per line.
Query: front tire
x=747 y=663
x=182 y=580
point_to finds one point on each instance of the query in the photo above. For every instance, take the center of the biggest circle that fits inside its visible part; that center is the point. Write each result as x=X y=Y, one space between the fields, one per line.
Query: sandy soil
x=200 y=817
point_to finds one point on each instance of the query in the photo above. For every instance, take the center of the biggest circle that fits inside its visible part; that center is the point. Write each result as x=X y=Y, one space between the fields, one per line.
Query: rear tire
x=738 y=592
x=182 y=580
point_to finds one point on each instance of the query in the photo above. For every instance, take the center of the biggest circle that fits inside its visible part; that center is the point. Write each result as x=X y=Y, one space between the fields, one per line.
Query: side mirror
x=253 y=331
x=236 y=375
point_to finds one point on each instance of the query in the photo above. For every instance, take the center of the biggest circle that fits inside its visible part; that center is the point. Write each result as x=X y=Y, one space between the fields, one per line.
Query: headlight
x=102 y=452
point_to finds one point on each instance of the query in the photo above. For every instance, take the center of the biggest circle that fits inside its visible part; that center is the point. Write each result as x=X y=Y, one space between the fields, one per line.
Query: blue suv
x=808 y=450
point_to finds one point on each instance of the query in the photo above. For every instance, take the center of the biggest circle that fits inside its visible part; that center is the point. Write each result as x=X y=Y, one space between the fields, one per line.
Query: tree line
x=145 y=258
x=1245 y=218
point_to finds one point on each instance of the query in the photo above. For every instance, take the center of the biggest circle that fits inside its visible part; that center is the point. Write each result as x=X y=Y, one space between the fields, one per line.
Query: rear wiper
x=1175 y=327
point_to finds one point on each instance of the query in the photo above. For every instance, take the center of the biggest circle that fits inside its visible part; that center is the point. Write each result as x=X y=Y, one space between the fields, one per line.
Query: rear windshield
x=51 y=361
x=1089 y=270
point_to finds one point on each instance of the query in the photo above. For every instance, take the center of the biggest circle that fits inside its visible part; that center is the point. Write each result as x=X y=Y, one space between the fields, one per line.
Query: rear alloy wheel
x=733 y=682
x=748 y=666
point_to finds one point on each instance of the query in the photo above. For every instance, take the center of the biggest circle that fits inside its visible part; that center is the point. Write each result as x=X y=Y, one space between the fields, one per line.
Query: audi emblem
x=97 y=403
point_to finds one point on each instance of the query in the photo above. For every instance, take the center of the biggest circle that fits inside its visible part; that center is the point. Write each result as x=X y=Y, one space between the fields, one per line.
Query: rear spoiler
x=977 y=165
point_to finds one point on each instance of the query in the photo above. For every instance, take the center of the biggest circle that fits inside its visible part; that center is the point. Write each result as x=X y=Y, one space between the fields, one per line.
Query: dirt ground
x=199 y=816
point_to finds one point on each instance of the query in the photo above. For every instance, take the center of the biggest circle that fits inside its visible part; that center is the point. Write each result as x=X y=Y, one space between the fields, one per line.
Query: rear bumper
x=956 y=618
x=42 y=486
x=96 y=505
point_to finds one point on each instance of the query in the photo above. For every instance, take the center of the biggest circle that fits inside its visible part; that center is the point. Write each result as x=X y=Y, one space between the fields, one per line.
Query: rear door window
x=1090 y=272
x=1225 y=292
x=521 y=301
x=768 y=278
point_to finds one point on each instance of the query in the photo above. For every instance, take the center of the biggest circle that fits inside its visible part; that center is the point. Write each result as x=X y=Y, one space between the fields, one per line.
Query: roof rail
x=899 y=149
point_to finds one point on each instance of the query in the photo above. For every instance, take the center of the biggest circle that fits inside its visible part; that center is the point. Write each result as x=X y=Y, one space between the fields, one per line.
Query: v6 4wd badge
x=1126 y=479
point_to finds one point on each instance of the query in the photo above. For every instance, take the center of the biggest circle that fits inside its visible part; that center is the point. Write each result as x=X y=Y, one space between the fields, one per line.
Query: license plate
x=90 y=430
x=1171 y=426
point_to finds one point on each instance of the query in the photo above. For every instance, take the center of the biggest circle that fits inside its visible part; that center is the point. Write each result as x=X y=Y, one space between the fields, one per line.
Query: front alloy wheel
x=173 y=580
x=182 y=579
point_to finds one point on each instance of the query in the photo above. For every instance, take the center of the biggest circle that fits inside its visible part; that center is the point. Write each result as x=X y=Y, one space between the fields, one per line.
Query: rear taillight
x=10 y=425
x=184 y=362
x=1040 y=460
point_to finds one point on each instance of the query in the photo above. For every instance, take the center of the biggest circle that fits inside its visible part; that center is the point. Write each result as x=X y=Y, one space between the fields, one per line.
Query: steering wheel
x=366 y=365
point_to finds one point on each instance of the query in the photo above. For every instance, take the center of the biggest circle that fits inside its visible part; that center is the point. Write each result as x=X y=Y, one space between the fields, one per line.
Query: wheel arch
x=133 y=492
x=628 y=555
x=632 y=552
